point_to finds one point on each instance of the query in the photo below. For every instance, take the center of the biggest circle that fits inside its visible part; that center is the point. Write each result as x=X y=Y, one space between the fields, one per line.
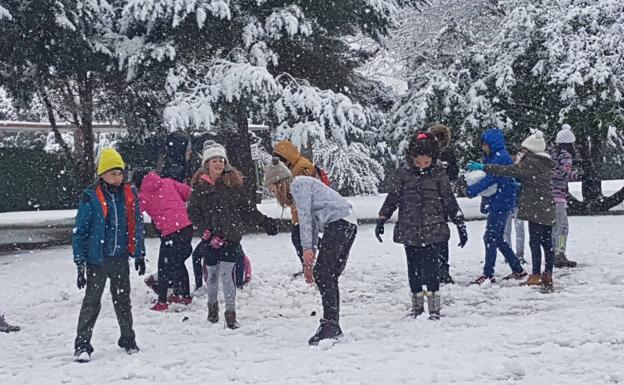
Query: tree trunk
x=591 y=185
x=86 y=162
x=238 y=145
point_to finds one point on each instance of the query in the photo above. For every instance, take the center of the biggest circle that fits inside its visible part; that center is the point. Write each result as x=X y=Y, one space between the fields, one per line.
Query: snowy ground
x=501 y=334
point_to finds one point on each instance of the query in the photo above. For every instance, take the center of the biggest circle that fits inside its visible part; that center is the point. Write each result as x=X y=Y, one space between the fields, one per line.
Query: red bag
x=322 y=175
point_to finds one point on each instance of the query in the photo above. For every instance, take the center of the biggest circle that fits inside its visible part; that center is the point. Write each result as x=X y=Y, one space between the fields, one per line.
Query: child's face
x=485 y=148
x=422 y=161
x=216 y=165
x=113 y=177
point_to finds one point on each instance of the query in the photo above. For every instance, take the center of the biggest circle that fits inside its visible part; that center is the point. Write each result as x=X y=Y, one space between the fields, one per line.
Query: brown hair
x=282 y=193
x=231 y=177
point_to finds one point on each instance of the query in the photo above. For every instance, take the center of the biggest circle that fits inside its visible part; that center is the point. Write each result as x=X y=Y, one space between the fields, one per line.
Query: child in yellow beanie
x=108 y=231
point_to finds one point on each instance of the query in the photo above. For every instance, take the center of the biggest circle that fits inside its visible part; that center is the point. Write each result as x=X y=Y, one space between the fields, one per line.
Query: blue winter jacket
x=91 y=233
x=505 y=197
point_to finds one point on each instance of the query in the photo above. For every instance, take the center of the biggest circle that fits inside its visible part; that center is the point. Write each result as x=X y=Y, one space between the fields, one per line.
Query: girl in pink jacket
x=164 y=200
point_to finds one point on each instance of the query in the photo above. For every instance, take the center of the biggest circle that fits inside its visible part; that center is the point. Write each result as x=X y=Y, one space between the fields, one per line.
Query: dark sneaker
x=482 y=279
x=329 y=329
x=213 y=312
x=131 y=348
x=562 y=261
x=82 y=356
x=230 y=319
x=519 y=275
x=5 y=327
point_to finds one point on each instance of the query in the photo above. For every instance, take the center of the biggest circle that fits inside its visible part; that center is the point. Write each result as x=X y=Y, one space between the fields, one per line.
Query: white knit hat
x=535 y=142
x=213 y=149
x=565 y=135
x=276 y=172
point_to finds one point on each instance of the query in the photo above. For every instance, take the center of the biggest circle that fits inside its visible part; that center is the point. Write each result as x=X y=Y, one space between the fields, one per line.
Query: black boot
x=445 y=277
x=130 y=347
x=213 y=312
x=230 y=319
x=562 y=261
x=328 y=329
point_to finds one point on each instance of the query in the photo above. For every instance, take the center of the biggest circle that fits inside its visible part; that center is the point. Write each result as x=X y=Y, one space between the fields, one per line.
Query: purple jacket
x=562 y=174
x=164 y=200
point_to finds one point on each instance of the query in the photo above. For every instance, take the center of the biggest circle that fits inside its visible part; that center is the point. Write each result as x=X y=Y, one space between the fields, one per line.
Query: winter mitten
x=216 y=242
x=82 y=275
x=472 y=165
x=379 y=229
x=139 y=265
x=463 y=234
x=270 y=226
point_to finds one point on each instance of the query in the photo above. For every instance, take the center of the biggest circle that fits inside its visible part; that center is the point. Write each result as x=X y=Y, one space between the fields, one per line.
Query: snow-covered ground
x=365 y=207
x=500 y=334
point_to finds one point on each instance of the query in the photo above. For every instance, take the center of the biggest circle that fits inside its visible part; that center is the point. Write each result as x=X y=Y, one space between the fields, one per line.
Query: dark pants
x=443 y=258
x=333 y=252
x=116 y=269
x=174 y=250
x=295 y=238
x=494 y=239
x=423 y=266
x=540 y=236
x=198 y=269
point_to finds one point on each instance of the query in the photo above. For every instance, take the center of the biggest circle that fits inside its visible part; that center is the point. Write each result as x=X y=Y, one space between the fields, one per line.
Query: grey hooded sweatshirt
x=318 y=206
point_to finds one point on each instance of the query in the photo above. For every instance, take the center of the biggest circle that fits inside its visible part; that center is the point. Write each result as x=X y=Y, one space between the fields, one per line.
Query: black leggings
x=174 y=250
x=332 y=258
x=423 y=266
x=540 y=236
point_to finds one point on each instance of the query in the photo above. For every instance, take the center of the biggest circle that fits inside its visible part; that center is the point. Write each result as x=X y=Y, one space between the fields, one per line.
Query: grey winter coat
x=534 y=172
x=318 y=206
x=425 y=200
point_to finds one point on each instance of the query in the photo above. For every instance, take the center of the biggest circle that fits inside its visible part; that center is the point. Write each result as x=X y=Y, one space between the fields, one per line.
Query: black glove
x=139 y=265
x=379 y=229
x=81 y=281
x=463 y=234
x=270 y=226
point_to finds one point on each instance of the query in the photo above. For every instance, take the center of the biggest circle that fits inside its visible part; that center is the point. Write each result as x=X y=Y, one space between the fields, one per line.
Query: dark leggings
x=423 y=266
x=333 y=253
x=198 y=269
x=174 y=250
x=540 y=236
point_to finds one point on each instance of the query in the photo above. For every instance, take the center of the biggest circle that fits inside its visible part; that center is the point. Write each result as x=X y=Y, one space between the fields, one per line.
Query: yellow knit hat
x=109 y=159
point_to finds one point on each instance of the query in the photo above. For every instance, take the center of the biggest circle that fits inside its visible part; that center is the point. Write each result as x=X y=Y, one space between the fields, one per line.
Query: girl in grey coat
x=321 y=210
x=422 y=192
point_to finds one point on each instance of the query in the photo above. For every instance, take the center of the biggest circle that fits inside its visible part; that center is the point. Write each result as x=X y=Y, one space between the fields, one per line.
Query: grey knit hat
x=213 y=149
x=276 y=172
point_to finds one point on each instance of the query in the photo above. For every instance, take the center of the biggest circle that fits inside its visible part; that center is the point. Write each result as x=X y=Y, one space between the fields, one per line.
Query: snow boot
x=213 y=312
x=6 y=327
x=547 y=281
x=160 y=306
x=230 y=319
x=482 y=279
x=562 y=261
x=533 y=280
x=418 y=304
x=434 y=304
x=519 y=275
x=329 y=329
x=82 y=356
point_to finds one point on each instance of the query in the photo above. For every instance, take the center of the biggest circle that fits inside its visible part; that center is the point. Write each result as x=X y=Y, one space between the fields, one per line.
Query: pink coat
x=164 y=200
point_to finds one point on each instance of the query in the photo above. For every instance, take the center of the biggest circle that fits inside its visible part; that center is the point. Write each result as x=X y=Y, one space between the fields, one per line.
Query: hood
x=494 y=138
x=176 y=145
x=151 y=182
x=288 y=151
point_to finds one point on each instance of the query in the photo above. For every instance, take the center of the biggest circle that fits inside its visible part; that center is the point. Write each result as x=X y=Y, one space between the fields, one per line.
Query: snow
x=365 y=207
x=499 y=334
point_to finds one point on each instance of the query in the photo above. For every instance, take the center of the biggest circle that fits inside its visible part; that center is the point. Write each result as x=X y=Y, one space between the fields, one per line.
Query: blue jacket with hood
x=505 y=197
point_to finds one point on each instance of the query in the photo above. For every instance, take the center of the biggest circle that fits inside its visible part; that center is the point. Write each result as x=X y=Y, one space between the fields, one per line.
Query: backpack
x=322 y=175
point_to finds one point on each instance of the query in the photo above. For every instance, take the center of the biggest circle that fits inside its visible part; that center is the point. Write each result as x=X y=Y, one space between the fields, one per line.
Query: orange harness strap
x=130 y=211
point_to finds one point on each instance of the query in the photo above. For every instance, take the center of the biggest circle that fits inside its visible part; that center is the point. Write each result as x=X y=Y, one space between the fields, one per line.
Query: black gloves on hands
x=270 y=226
x=139 y=265
x=81 y=281
x=463 y=234
x=379 y=229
